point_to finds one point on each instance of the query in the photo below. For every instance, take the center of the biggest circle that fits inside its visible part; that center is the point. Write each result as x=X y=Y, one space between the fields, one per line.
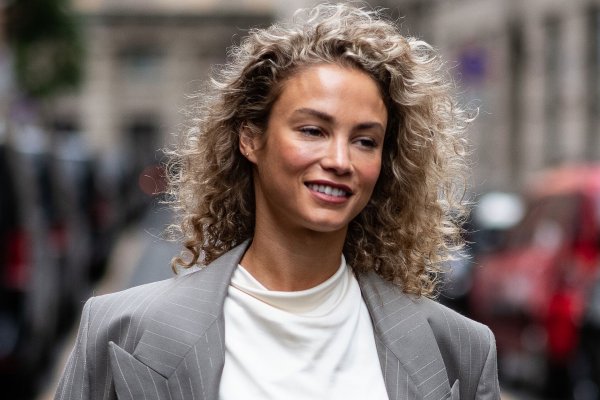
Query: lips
x=330 y=189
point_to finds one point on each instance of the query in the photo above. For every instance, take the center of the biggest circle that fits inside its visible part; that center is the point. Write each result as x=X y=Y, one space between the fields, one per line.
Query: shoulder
x=468 y=349
x=466 y=346
x=123 y=316
x=460 y=339
x=451 y=327
x=118 y=316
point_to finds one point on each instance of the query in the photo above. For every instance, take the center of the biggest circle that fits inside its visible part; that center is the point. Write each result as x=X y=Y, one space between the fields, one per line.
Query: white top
x=310 y=344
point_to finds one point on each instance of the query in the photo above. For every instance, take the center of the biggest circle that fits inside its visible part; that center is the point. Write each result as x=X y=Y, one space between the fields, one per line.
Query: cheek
x=295 y=157
x=370 y=173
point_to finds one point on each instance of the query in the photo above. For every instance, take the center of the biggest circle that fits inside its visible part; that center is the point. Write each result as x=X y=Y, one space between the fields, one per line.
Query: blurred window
x=517 y=70
x=593 y=83
x=141 y=62
x=552 y=84
x=143 y=140
x=549 y=223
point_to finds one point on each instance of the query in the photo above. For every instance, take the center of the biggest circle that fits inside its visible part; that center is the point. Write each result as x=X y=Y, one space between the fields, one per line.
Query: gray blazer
x=164 y=340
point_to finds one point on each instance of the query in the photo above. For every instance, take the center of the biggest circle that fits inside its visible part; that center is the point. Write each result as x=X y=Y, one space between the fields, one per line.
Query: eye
x=367 y=142
x=311 y=131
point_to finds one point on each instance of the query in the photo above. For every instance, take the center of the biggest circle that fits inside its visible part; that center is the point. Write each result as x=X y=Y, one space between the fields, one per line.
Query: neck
x=292 y=262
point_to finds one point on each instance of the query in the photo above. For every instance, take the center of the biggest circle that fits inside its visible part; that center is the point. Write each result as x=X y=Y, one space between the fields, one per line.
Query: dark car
x=589 y=356
x=29 y=268
x=56 y=232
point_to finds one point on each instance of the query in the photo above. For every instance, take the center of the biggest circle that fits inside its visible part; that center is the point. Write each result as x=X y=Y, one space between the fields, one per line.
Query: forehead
x=335 y=89
x=331 y=71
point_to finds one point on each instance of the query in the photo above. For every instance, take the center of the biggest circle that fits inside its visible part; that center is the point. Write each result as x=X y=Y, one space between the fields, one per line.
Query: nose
x=337 y=158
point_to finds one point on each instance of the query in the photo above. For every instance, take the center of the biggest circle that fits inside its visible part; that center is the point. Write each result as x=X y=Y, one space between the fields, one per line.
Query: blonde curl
x=411 y=225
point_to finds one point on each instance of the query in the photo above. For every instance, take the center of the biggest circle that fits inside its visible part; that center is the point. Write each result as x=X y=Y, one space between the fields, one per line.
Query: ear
x=248 y=143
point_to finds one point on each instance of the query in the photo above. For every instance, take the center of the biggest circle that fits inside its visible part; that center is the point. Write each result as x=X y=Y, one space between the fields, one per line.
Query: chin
x=328 y=226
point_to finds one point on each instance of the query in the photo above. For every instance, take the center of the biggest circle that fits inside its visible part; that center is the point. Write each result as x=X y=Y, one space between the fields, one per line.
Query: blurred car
x=532 y=291
x=590 y=343
x=56 y=231
x=492 y=215
x=29 y=268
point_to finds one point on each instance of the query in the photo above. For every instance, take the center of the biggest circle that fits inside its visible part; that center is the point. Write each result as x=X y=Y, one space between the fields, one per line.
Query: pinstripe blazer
x=165 y=340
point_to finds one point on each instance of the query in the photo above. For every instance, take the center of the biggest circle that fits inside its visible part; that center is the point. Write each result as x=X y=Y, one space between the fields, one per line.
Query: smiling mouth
x=328 y=190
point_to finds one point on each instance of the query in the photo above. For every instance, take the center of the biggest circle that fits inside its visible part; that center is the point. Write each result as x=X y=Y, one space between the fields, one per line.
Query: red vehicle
x=532 y=291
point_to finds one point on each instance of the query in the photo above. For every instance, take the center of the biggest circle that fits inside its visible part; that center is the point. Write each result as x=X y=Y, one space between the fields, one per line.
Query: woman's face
x=320 y=157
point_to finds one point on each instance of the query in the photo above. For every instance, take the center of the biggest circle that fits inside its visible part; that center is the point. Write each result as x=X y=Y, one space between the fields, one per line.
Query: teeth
x=328 y=190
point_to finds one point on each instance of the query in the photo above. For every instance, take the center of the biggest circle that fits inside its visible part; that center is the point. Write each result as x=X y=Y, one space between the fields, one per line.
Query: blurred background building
x=91 y=90
x=532 y=68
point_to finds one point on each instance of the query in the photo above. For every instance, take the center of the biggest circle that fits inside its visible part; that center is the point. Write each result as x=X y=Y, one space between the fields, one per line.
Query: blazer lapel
x=410 y=358
x=181 y=353
x=183 y=344
x=133 y=379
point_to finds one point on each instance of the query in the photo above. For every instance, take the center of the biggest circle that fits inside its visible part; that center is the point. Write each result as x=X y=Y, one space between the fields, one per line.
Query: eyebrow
x=319 y=114
x=330 y=119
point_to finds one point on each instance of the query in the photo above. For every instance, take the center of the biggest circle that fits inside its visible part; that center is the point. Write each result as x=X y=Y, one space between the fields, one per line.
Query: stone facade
x=140 y=65
x=532 y=69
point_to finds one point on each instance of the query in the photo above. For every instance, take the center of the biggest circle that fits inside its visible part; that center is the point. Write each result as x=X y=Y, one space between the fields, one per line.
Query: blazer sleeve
x=74 y=383
x=488 y=387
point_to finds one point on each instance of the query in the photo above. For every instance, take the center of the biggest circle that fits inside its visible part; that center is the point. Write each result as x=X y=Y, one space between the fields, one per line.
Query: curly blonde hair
x=411 y=223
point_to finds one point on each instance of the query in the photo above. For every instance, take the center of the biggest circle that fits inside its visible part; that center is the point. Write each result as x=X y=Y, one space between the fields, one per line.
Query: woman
x=316 y=187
